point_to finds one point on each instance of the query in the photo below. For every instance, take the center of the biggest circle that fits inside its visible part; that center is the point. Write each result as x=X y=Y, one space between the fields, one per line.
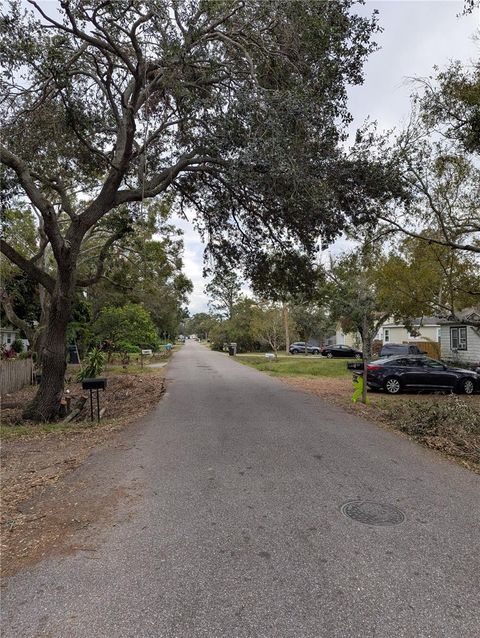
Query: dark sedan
x=395 y=374
x=341 y=351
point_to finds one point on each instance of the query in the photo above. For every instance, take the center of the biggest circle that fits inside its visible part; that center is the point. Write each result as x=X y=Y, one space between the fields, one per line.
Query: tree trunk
x=366 y=347
x=46 y=404
x=287 y=329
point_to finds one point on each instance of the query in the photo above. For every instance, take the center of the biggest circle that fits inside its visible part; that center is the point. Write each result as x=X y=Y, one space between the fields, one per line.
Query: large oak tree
x=235 y=110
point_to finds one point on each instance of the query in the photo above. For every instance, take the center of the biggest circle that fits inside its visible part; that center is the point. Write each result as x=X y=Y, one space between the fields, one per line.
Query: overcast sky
x=417 y=35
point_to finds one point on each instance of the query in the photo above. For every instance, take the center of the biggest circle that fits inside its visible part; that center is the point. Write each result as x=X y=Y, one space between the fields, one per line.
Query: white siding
x=399 y=334
x=351 y=339
x=470 y=355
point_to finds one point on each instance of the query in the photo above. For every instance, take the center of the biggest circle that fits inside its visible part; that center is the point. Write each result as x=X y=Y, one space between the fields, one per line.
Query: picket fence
x=15 y=374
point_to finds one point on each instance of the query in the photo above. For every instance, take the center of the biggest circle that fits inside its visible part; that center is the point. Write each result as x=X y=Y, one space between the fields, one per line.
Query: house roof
x=416 y=321
x=9 y=329
x=467 y=314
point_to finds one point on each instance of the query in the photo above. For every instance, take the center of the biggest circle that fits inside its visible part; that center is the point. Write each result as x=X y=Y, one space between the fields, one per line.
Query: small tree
x=355 y=301
x=224 y=291
x=201 y=324
x=268 y=326
x=237 y=329
x=311 y=320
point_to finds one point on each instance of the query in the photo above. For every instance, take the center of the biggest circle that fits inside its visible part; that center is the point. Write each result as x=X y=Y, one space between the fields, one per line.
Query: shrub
x=95 y=363
x=126 y=346
x=17 y=345
x=25 y=355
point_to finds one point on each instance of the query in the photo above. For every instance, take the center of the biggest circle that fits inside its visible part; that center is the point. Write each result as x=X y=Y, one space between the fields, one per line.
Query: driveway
x=230 y=525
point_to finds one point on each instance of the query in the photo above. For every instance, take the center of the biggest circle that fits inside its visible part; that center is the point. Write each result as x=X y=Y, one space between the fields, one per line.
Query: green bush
x=25 y=355
x=17 y=346
x=95 y=362
x=130 y=348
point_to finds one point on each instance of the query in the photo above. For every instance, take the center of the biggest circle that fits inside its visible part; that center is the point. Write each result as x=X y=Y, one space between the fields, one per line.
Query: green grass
x=297 y=365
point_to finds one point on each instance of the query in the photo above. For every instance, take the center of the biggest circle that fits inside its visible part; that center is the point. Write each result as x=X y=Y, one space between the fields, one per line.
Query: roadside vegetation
x=451 y=425
x=131 y=389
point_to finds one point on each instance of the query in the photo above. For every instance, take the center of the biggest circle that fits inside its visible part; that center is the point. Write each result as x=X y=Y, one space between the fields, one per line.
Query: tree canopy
x=233 y=110
x=235 y=107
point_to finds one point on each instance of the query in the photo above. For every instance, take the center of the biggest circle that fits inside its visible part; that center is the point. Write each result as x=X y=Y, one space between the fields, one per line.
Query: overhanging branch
x=29 y=268
x=83 y=283
x=431 y=240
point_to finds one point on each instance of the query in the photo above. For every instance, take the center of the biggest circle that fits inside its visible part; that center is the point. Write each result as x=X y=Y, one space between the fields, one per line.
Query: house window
x=458 y=338
x=386 y=335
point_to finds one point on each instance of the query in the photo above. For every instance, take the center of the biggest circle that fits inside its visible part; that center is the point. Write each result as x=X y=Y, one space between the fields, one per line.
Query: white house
x=8 y=334
x=422 y=329
x=460 y=342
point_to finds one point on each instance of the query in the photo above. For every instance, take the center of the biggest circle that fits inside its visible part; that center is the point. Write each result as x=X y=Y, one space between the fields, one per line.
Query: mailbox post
x=94 y=384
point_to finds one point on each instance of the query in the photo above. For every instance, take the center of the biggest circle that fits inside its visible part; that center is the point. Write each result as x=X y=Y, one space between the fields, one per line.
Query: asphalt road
x=234 y=527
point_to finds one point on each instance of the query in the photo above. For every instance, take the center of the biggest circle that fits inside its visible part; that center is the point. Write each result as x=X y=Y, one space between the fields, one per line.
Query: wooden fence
x=15 y=374
x=432 y=348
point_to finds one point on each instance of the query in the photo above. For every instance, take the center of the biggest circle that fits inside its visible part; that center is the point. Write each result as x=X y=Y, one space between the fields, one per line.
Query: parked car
x=417 y=372
x=392 y=349
x=299 y=346
x=341 y=351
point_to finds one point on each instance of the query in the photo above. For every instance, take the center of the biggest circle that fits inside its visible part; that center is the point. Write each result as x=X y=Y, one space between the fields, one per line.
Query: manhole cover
x=372 y=513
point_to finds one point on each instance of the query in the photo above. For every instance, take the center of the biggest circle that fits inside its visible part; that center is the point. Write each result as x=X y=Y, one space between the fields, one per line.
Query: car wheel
x=329 y=355
x=295 y=351
x=358 y=355
x=467 y=386
x=316 y=352
x=392 y=385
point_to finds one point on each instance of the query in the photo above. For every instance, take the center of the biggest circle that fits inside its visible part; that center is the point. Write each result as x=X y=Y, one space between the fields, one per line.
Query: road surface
x=234 y=526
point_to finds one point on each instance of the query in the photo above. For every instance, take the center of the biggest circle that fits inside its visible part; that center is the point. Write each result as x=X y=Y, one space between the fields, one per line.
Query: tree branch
x=29 y=268
x=83 y=283
x=431 y=240
x=14 y=318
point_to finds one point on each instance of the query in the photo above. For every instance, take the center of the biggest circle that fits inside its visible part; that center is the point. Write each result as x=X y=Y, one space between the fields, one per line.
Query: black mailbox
x=94 y=384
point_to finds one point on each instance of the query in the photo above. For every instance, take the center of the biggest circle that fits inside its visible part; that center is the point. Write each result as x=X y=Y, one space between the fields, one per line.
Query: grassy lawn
x=297 y=365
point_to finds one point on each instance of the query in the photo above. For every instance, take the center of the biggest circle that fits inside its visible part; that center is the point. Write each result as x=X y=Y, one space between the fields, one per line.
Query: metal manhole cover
x=372 y=513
